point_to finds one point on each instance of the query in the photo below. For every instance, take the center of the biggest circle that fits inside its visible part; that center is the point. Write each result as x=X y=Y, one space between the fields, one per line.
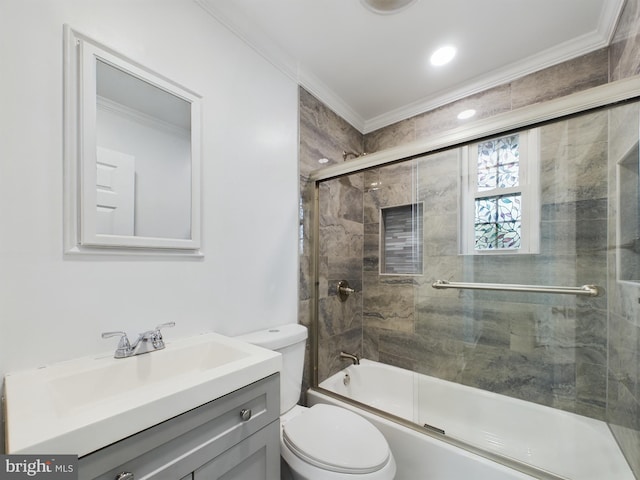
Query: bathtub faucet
x=353 y=357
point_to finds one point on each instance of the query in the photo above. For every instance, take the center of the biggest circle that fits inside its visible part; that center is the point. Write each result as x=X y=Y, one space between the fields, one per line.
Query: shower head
x=346 y=155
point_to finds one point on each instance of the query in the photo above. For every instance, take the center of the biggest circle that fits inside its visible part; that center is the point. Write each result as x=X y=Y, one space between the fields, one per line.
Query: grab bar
x=586 y=290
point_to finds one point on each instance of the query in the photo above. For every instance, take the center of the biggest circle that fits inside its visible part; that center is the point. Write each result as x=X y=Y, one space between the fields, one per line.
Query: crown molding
x=255 y=39
x=558 y=54
x=141 y=118
x=609 y=19
x=323 y=93
x=599 y=38
x=295 y=70
x=263 y=46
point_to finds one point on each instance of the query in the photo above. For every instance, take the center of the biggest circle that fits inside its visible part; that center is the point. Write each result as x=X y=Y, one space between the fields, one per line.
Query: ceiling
x=374 y=70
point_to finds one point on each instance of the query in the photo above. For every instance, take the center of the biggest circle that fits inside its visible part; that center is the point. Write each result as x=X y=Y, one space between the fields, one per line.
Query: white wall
x=162 y=171
x=54 y=308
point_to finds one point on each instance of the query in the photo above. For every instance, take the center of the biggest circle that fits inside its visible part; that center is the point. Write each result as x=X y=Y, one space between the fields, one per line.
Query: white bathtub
x=550 y=440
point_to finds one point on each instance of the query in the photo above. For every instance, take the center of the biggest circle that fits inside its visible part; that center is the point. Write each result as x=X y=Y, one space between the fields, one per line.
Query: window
x=500 y=209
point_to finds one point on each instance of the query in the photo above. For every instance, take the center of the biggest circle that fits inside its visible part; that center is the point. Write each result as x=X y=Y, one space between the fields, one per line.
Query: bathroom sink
x=81 y=405
x=84 y=387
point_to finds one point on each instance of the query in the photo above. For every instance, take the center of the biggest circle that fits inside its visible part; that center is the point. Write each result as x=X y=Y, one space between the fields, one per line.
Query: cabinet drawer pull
x=245 y=414
x=124 y=476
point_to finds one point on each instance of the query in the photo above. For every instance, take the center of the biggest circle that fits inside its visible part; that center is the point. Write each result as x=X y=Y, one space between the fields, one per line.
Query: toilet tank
x=289 y=340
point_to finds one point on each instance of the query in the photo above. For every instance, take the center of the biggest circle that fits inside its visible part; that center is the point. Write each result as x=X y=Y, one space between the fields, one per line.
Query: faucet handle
x=124 y=347
x=164 y=325
x=157 y=340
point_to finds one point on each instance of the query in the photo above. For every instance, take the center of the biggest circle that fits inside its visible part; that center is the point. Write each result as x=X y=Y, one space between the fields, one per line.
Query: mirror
x=132 y=156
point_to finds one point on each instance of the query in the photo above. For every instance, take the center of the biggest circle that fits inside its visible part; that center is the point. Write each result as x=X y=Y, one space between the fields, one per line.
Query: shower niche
x=401 y=239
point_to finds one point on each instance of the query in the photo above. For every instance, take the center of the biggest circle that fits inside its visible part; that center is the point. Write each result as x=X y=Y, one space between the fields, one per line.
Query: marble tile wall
x=325 y=135
x=623 y=401
x=546 y=349
x=624 y=58
x=575 y=75
x=340 y=258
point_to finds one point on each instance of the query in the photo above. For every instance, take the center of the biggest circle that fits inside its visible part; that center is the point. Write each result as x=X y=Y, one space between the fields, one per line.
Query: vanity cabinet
x=235 y=436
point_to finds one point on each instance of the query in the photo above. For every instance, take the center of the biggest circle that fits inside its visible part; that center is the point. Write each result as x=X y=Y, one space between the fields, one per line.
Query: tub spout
x=353 y=357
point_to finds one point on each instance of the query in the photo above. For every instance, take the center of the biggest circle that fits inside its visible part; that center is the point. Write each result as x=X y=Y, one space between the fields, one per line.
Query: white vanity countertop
x=78 y=406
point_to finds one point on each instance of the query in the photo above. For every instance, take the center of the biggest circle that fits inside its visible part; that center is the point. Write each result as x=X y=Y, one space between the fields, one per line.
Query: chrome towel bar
x=585 y=290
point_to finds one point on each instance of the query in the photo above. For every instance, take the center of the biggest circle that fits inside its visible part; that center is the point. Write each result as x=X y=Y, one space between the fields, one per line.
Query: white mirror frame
x=80 y=57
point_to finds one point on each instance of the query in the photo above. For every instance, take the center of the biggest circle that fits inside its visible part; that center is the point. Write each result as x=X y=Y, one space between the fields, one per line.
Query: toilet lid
x=336 y=439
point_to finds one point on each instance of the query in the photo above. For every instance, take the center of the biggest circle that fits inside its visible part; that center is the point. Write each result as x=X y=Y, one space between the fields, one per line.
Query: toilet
x=323 y=442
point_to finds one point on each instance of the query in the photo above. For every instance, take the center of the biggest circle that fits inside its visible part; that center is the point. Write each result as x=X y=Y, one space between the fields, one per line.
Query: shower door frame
x=596 y=98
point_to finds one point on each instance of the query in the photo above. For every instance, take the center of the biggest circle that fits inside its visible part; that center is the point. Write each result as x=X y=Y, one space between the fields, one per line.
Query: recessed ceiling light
x=386 y=7
x=465 y=114
x=443 y=55
x=323 y=160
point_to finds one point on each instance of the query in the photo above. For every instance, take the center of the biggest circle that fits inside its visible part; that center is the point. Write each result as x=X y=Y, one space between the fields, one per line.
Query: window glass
x=498 y=222
x=498 y=163
x=500 y=199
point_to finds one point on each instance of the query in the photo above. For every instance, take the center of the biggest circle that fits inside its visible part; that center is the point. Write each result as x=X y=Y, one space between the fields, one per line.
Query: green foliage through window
x=498 y=222
x=498 y=218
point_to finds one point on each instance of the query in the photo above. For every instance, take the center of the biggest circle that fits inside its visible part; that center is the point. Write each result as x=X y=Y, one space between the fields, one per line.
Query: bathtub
x=541 y=441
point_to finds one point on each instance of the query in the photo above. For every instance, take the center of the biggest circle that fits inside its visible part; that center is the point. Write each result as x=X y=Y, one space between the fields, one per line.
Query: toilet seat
x=336 y=440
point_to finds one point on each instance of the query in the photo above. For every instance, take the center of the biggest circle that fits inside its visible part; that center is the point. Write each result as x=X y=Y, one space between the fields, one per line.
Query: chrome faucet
x=351 y=356
x=148 y=341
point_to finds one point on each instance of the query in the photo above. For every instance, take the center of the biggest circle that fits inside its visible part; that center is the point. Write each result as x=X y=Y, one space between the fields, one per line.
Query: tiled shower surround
x=549 y=349
x=574 y=353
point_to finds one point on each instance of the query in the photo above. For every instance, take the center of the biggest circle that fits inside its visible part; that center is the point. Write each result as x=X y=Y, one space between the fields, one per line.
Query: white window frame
x=528 y=188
